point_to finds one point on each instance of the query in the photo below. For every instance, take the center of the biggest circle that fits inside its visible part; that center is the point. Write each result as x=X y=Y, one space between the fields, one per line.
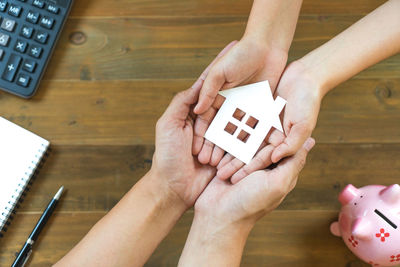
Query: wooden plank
x=96 y=177
x=61 y=233
x=331 y=167
x=282 y=238
x=175 y=48
x=125 y=112
x=124 y=8
x=362 y=112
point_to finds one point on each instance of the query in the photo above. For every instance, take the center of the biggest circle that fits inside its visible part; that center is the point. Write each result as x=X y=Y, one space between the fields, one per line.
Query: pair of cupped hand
x=243 y=63
x=200 y=173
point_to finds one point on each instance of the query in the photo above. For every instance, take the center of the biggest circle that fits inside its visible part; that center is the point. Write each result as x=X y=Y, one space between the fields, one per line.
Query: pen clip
x=27 y=258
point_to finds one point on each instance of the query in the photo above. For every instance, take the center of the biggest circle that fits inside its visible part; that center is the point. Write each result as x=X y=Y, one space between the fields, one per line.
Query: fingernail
x=196 y=108
x=309 y=144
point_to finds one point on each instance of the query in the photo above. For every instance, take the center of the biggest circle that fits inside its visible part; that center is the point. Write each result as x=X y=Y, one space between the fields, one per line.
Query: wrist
x=313 y=66
x=163 y=197
x=264 y=45
x=219 y=229
x=214 y=244
x=316 y=82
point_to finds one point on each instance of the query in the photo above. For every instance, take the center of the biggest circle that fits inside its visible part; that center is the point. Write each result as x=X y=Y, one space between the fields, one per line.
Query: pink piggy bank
x=369 y=223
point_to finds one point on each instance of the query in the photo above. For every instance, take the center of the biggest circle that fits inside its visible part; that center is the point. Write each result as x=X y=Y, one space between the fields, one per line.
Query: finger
x=232 y=167
x=276 y=138
x=290 y=168
x=298 y=134
x=205 y=153
x=212 y=84
x=229 y=169
x=261 y=161
x=200 y=127
x=197 y=143
x=214 y=79
x=227 y=157
x=199 y=83
x=232 y=172
x=216 y=156
x=179 y=107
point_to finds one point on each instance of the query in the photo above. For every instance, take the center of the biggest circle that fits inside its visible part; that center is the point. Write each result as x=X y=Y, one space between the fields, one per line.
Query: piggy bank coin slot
x=380 y=214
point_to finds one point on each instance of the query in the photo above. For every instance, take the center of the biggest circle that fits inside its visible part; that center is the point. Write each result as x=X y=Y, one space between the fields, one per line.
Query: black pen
x=26 y=250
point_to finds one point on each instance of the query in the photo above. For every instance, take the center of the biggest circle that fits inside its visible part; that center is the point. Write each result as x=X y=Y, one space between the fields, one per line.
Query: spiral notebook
x=21 y=153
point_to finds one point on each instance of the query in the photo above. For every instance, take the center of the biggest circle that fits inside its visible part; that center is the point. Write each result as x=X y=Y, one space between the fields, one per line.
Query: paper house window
x=232 y=127
x=244 y=119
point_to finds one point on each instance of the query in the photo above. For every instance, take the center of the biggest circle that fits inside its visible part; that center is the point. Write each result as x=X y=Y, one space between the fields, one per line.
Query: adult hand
x=225 y=213
x=173 y=160
x=255 y=195
x=246 y=62
x=304 y=95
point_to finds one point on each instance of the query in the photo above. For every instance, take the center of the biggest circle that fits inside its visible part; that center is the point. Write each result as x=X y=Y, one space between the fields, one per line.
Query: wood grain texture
x=98 y=187
x=114 y=71
x=275 y=240
x=125 y=112
x=205 y=8
x=176 y=48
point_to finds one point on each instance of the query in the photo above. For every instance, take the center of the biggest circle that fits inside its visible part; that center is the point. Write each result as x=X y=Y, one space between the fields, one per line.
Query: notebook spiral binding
x=23 y=186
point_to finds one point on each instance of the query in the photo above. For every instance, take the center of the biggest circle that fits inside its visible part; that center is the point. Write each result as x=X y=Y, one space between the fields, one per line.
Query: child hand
x=246 y=62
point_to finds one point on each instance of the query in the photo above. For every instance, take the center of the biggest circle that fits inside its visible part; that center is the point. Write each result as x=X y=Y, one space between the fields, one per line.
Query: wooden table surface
x=115 y=69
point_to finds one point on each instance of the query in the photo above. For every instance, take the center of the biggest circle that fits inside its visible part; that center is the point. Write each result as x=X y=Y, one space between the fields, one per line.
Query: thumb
x=291 y=167
x=297 y=136
x=179 y=107
x=199 y=83
x=212 y=84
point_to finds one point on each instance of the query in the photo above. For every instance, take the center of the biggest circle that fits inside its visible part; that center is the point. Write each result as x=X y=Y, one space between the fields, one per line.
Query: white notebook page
x=20 y=153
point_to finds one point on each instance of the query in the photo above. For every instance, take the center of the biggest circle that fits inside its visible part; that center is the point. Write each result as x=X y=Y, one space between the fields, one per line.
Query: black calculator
x=29 y=30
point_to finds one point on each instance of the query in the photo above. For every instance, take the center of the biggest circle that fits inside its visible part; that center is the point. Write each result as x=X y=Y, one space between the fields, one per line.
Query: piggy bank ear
x=391 y=194
x=348 y=194
x=335 y=229
x=362 y=229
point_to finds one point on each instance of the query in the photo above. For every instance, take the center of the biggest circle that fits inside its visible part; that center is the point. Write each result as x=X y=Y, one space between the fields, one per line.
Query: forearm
x=370 y=40
x=273 y=22
x=210 y=244
x=131 y=231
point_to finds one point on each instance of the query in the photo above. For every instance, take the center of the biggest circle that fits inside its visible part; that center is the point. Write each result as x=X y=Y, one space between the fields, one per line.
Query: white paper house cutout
x=255 y=100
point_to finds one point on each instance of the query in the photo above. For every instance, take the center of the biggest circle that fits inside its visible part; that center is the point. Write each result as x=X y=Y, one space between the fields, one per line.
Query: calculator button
x=4 y=38
x=11 y=68
x=1 y=54
x=26 y=32
x=32 y=17
x=14 y=10
x=3 y=5
x=41 y=37
x=8 y=24
x=35 y=51
x=38 y=3
x=29 y=65
x=47 y=22
x=53 y=9
x=23 y=80
x=21 y=46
